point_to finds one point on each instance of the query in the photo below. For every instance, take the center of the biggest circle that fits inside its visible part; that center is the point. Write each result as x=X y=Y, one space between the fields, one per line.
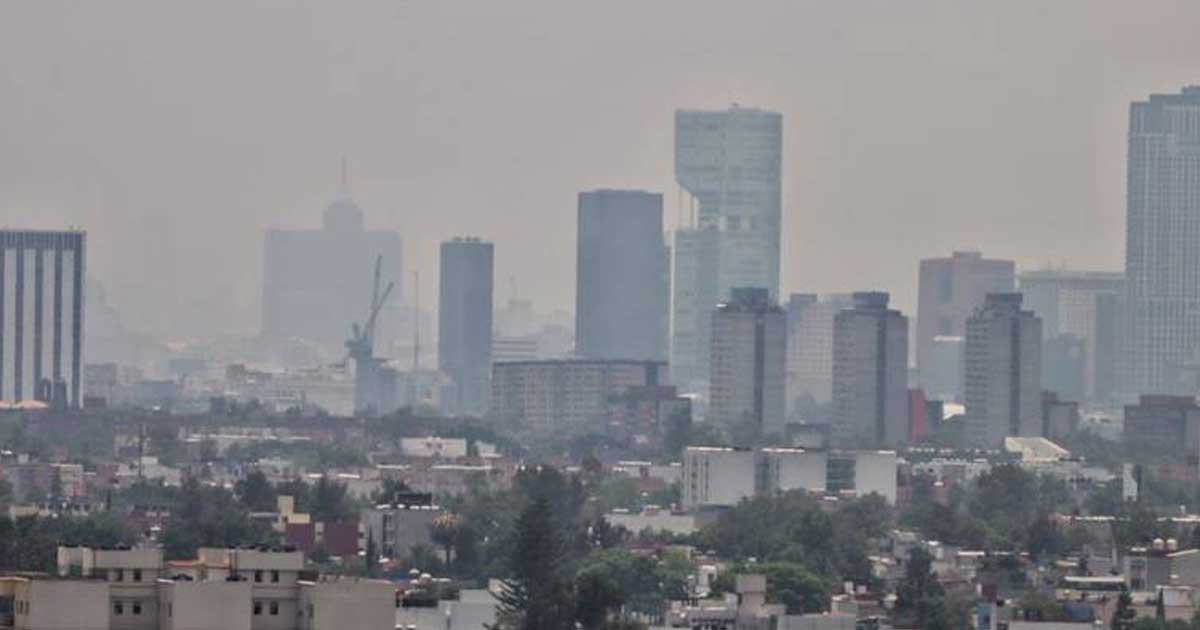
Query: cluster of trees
x=31 y=543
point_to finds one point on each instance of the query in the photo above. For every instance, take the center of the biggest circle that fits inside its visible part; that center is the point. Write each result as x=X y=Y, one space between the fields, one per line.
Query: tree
x=6 y=496
x=330 y=502
x=535 y=596
x=255 y=492
x=444 y=532
x=371 y=559
x=919 y=596
x=1124 y=615
x=788 y=583
x=208 y=516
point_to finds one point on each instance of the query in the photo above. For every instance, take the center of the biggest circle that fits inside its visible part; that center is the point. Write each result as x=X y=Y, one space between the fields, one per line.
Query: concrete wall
x=360 y=604
x=62 y=605
x=206 y=606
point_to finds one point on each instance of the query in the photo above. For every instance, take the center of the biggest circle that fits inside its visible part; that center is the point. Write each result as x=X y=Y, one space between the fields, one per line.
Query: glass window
x=258 y=576
x=137 y=608
x=119 y=575
x=118 y=608
x=257 y=607
x=274 y=608
x=137 y=575
x=274 y=576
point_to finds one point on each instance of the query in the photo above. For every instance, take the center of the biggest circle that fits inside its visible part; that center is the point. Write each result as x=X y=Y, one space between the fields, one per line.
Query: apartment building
x=222 y=589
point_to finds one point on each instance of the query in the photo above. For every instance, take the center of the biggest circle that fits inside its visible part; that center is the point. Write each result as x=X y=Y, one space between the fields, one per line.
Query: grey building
x=622 y=293
x=870 y=374
x=949 y=291
x=42 y=316
x=317 y=283
x=749 y=341
x=1076 y=308
x=1003 y=379
x=810 y=347
x=1162 y=250
x=728 y=162
x=465 y=322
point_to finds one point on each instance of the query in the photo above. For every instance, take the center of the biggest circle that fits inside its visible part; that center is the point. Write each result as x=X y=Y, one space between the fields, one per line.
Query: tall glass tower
x=728 y=163
x=1162 y=250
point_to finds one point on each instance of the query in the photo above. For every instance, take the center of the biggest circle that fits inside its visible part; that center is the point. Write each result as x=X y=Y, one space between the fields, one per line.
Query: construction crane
x=369 y=374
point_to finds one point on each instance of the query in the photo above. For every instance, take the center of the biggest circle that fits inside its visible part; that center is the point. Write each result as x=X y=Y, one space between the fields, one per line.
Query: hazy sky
x=177 y=132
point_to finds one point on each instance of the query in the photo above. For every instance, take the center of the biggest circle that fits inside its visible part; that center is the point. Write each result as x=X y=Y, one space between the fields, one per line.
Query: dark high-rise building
x=41 y=316
x=870 y=374
x=465 y=322
x=622 y=293
x=317 y=283
x=1162 y=247
x=1003 y=381
x=949 y=290
x=749 y=348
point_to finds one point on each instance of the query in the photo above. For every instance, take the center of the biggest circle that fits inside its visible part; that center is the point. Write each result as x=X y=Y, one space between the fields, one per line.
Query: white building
x=717 y=476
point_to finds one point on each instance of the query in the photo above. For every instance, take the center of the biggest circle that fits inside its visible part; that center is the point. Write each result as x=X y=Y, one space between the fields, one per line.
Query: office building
x=943 y=377
x=728 y=162
x=222 y=589
x=1162 y=246
x=1164 y=424
x=870 y=374
x=1003 y=380
x=810 y=348
x=567 y=395
x=41 y=316
x=317 y=283
x=721 y=477
x=622 y=289
x=465 y=322
x=949 y=291
x=749 y=341
x=694 y=294
x=1081 y=305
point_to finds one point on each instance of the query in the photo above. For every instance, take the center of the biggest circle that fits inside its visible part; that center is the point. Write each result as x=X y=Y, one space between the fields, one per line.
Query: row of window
x=273 y=607
x=135 y=608
x=118 y=575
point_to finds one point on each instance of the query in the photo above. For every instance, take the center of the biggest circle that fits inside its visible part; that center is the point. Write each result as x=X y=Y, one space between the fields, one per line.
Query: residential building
x=465 y=322
x=222 y=589
x=398 y=527
x=810 y=348
x=870 y=374
x=41 y=316
x=1003 y=382
x=720 y=477
x=317 y=282
x=949 y=291
x=1162 y=243
x=1081 y=305
x=729 y=164
x=622 y=288
x=572 y=395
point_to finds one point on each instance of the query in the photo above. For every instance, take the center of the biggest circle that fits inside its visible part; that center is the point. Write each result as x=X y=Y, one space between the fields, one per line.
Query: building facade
x=729 y=164
x=567 y=395
x=810 y=347
x=1162 y=247
x=317 y=283
x=41 y=316
x=949 y=290
x=1003 y=380
x=1078 y=304
x=465 y=322
x=622 y=288
x=749 y=343
x=870 y=374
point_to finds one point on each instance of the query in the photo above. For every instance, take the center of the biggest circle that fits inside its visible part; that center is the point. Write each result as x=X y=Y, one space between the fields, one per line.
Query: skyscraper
x=749 y=341
x=1003 y=380
x=810 y=346
x=728 y=162
x=465 y=322
x=622 y=293
x=41 y=282
x=1073 y=303
x=1162 y=247
x=870 y=374
x=949 y=290
x=317 y=283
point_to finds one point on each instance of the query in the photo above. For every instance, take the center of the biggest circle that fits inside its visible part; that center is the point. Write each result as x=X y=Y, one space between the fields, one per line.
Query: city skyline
x=833 y=121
